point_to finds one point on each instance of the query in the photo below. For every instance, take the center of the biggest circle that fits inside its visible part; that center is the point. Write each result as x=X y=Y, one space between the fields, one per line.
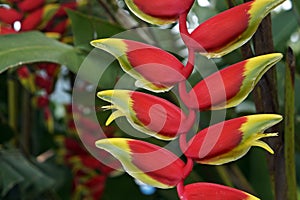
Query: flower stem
x=182 y=25
x=266 y=101
x=180 y=190
x=289 y=125
x=12 y=102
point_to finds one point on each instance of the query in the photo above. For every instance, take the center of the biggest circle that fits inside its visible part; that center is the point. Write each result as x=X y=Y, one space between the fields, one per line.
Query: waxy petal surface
x=159 y=12
x=9 y=15
x=229 y=86
x=151 y=164
x=147 y=113
x=229 y=140
x=230 y=29
x=211 y=191
x=153 y=68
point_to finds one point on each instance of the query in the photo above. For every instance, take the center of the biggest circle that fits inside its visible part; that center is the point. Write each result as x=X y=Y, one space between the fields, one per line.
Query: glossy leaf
x=33 y=47
x=85 y=27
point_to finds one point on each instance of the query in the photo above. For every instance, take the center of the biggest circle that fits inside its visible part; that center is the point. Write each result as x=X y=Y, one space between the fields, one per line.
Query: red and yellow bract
x=230 y=86
x=229 y=140
x=146 y=162
x=159 y=12
x=147 y=113
x=230 y=29
x=140 y=61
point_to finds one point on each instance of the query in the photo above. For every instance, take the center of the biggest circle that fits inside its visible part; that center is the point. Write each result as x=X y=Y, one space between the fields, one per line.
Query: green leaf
x=32 y=180
x=86 y=28
x=31 y=47
x=284 y=24
x=8 y=178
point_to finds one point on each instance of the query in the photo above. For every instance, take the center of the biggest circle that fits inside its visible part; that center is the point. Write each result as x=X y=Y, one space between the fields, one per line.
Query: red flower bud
x=44 y=83
x=150 y=114
x=146 y=162
x=229 y=140
x=29 y=5
x=158 y=11
x=211 y=191
x=6 y=29
x=23 y=72
x=152 y=67
x=39 y=18
x=230 y=29
x=42 y=101
x=62 y=9
x=9 y=15
x=229 y=86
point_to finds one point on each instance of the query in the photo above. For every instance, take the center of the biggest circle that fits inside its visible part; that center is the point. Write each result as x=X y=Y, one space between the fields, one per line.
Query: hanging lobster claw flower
x=149 y=163
x=147 y=113
x=159 y=12
x=153 y=68
x=39 y=18
x=6 y=29
x=26 y=78
x=229 y=86
x=9 y=15
x=211 y=191
x=29 y=5
x=230 y=29
x=229 y=140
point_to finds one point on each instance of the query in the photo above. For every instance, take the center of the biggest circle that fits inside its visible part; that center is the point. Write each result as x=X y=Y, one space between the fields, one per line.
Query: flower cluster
x=51 y=18
x=157 y=70
x=40 y=15
x=89 y=175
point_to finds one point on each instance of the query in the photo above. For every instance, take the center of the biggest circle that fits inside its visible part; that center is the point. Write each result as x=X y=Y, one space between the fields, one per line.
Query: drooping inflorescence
x=157 y=70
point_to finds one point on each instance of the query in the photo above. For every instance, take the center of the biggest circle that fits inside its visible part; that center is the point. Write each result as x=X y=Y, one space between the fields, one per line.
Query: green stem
x=12 y=102
x=239 y=179
x=26 y=122
x=224 y=175
x=266 y=101
x=289 y=126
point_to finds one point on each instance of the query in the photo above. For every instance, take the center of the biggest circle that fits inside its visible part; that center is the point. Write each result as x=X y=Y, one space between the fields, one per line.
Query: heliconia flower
x=147 y=113
x=96 y=186
x=51 y=69
x=153 y=68
x=40 y=101
x=60 y=27
x=39 y=18
x=229 y=86
x=29 y=5
x=49 y=121
x=6 y=30
x=44 y=82
x=63 y=6
x=159 y=12
x=229 y=140
x=26 y=78
x=230 y=29
x=211 y=191
x=9 y=15
x=149 y=163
